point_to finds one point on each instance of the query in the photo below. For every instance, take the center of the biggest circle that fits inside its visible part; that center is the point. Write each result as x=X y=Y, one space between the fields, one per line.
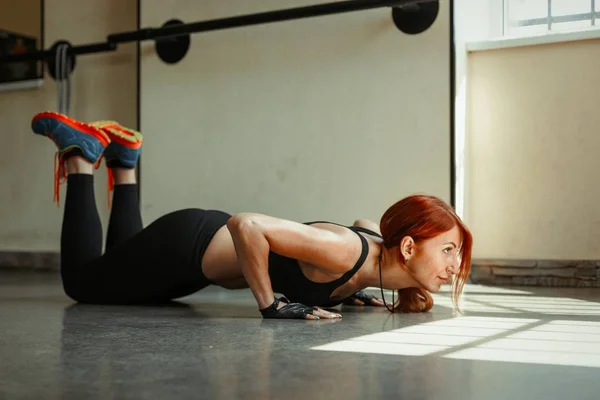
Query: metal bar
x=254 y=19
x=92 y=48
x=216 y=24
x=593 y=11
x=549 y=15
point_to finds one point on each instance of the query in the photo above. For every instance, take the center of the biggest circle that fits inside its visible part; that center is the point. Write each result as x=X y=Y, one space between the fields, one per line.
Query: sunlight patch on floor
x=515 y=304
x=559 y=342
x=575 y=343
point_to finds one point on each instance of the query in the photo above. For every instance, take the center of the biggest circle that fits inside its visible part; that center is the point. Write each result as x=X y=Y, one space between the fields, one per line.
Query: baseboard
x=546 y=273
x=30 y=260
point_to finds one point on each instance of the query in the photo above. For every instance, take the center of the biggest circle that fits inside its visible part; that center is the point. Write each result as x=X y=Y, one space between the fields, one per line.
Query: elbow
x=247 y=234
x=363 y=222
x=241 y=222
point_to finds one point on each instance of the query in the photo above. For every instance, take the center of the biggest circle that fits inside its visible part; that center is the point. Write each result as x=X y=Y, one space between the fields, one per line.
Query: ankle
x=124 y=176
x=79 y=165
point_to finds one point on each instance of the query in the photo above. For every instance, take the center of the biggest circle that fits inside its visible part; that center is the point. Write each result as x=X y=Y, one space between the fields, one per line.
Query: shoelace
x=111 y=184
x=60 y=174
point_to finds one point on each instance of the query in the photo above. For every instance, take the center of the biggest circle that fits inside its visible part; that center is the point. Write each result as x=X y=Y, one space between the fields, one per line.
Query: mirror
x=21 y=31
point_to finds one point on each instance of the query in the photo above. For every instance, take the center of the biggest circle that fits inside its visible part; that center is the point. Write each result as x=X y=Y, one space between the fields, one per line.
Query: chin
x=434 y=287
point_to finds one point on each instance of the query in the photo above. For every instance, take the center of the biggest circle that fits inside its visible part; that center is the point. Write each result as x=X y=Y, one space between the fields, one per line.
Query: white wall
x=333 y=117
x=533 y=145
x=526 y=133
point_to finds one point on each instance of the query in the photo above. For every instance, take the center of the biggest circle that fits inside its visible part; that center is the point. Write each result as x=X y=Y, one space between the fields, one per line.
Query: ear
x=407 y=247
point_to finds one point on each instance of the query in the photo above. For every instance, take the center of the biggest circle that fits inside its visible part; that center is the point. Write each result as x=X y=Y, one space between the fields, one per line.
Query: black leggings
x=155 y=264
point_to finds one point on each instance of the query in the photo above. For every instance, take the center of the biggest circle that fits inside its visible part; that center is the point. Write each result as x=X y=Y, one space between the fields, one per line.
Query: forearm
x=252 y=249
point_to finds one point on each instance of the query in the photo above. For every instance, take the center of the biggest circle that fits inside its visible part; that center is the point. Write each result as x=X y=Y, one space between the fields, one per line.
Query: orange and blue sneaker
x=72 y=138
x=124 y=149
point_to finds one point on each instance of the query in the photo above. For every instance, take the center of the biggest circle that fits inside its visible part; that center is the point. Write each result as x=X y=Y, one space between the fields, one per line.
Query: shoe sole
x=97 y=133
x=125 y=137
x=119 y=134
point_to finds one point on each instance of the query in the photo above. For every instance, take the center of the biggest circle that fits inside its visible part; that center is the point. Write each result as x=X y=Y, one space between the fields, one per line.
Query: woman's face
x=433 y=261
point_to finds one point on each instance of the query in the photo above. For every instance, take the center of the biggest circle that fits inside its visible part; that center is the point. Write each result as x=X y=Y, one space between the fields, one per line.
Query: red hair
x=423 y=217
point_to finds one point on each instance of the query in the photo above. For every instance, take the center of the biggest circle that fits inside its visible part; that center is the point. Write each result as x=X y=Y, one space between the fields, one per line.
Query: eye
x=447 y=250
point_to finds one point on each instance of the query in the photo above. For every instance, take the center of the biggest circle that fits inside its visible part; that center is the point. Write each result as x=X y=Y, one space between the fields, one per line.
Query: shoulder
x=367 y=224
x=330 y=246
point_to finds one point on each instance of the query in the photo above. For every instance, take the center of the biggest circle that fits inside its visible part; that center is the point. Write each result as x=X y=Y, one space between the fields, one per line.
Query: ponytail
x=413 y=300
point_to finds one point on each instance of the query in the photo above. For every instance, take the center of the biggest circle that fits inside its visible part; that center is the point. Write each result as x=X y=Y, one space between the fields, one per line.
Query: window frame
x=548 y=20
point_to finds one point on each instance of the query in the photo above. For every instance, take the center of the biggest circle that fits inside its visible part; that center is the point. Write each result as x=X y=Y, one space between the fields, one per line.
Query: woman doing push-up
x=419 y=244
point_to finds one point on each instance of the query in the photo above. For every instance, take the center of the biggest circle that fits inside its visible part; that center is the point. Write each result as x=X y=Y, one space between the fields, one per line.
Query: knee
x=71 y=291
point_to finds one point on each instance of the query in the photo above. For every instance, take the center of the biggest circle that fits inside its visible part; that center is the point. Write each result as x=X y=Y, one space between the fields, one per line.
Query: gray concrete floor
x=511 y=343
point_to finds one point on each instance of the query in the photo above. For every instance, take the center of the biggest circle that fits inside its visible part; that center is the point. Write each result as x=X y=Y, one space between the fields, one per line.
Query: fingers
x=360 y=298
x=297 y=311
x=380 y=303
x=377 y=302
x=370 y=301
x=353 y=301
x=320 y=313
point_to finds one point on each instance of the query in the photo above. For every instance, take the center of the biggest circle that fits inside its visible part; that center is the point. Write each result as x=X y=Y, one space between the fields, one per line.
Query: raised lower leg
x=79 y=165
x=81 y=236
x=125 y=218
x=124 y=176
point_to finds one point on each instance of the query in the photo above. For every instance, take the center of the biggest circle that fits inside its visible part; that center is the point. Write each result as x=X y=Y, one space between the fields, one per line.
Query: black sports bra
x=287 y=277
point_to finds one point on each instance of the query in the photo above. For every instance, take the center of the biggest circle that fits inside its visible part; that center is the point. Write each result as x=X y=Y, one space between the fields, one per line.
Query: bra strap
x=354 y=228
x=363 y=254
x=365 y=230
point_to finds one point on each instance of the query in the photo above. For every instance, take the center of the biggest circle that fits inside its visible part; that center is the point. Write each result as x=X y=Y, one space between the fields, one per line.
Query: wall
x=103 y=86
x=21 y=16
x=473 y=20
x=533 y=146
x=326 y=118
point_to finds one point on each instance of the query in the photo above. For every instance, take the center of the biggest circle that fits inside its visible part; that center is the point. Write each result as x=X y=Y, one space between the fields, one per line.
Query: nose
x=452 y=268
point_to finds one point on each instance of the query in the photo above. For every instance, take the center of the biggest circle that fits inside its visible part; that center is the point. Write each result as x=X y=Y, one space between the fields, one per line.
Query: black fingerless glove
x=360 y=295
x=289 y=311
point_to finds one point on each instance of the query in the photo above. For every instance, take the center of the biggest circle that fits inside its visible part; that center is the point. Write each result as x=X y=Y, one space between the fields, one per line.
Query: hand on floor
x=360 y=298
x=283 y=309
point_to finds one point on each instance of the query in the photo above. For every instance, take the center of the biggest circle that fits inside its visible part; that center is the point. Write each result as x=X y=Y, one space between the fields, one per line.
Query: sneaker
x=125 y=147
x=123 y=151
x=71 y=137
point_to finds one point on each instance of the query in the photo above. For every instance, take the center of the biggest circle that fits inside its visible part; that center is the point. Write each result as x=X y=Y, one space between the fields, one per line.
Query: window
x=531 y=17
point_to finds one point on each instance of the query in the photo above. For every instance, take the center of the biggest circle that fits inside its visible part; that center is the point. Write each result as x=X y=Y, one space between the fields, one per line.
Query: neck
x=394 y=274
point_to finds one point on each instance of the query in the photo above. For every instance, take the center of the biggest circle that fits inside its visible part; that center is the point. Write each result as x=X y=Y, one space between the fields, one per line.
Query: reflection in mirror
x=21 y=31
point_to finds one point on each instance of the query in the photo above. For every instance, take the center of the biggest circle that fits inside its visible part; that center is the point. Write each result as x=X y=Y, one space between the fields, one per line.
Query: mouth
x=444 y=280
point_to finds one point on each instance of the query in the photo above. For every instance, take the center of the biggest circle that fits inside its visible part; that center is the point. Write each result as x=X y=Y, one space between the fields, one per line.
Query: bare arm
x=254 y=235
